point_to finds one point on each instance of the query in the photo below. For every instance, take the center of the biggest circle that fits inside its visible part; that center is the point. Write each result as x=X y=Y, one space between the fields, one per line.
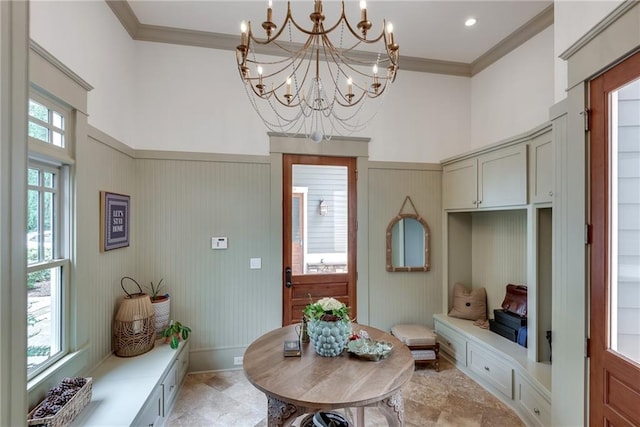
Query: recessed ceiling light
x=470 y=22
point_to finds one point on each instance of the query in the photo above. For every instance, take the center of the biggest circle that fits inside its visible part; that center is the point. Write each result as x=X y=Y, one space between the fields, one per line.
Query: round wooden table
x=309 y=383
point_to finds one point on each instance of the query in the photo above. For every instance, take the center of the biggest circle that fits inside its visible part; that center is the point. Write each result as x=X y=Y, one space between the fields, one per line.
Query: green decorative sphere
x=329 y=339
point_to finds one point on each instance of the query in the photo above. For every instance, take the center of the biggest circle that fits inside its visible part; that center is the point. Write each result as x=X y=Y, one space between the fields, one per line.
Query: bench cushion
x=414 y=335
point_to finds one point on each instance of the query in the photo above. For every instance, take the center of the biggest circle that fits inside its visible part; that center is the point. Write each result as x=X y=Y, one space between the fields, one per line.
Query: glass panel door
x=319 y=219
x=624 y=230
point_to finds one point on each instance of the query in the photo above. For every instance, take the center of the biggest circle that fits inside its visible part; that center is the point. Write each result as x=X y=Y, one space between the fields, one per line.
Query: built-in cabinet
x=137 y=391
x=495 y=179
x=541 y=171
x=497 y=220
x=156 y=410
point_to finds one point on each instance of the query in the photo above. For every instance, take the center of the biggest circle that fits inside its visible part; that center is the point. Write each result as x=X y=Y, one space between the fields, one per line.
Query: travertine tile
x=445 y=398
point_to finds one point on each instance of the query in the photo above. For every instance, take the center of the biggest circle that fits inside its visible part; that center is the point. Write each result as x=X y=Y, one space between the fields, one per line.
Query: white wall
x=572 y=20
x=87 y=37
x=513 y=95
x=425 y=118
x=192 y=99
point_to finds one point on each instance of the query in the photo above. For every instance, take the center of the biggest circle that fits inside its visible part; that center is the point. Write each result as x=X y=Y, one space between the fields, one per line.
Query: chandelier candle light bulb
x=243 y=31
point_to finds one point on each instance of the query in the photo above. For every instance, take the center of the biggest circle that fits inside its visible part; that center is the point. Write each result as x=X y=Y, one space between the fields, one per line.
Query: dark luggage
x=507 y=332
x=509 y=319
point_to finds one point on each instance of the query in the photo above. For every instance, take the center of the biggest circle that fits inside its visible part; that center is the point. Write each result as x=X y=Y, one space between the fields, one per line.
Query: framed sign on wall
x=114 y=221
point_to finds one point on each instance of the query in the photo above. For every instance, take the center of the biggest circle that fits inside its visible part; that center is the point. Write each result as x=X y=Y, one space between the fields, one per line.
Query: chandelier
x=324 y=83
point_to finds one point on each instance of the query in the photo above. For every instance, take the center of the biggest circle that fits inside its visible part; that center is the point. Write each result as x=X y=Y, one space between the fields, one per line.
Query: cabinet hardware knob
x=550 y=193
x=486 y=368
x=537 y=411
x=479 y=201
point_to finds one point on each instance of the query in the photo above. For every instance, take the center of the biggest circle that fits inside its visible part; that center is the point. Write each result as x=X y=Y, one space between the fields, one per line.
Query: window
x=46 y=124
x=48 y=212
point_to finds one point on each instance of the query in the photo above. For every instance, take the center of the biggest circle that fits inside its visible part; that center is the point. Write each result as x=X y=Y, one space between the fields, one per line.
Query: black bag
x=511 y=320
x=500 y=329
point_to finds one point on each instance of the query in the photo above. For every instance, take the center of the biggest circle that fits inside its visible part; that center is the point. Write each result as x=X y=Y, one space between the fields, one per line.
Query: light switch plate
x=255 y=263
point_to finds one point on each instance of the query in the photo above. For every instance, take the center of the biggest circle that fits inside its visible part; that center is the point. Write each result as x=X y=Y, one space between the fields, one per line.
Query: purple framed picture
x=114 y=221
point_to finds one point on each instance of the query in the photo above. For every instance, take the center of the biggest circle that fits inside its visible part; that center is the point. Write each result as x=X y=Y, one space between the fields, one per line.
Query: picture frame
x=114 y=220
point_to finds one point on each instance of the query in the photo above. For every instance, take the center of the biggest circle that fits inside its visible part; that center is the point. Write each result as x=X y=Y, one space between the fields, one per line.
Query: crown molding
x=527 y=31
x=160 y=34
x=126 y=16
x=615 y=14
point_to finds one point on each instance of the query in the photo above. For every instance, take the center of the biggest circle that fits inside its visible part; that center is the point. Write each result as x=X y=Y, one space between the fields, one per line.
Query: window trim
x=50 y=158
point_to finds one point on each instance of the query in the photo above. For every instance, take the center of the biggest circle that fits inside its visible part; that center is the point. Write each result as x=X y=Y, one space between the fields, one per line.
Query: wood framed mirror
x=408 y=242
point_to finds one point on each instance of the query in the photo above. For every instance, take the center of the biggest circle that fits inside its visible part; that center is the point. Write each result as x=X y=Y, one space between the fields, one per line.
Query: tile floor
x=445 y=398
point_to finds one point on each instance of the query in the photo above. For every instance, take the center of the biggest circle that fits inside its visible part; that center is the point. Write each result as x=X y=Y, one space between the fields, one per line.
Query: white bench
x=499 y=365
x=138 y=390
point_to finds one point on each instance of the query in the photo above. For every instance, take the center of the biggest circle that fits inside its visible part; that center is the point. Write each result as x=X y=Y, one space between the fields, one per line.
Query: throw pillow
x=469 y=304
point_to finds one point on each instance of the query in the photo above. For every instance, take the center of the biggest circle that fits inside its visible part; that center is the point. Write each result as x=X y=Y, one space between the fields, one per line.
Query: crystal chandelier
x=324 y=83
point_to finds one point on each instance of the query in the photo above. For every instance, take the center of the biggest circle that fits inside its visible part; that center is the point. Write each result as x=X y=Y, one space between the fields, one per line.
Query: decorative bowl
x=369 y=349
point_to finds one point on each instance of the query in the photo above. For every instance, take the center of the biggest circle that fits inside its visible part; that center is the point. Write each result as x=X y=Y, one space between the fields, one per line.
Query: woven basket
x=68 y=412
x=134 y=325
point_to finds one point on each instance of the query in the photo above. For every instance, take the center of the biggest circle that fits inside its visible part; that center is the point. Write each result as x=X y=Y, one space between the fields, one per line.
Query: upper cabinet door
x=541 y=173
x=460 y=185
x=502 y=177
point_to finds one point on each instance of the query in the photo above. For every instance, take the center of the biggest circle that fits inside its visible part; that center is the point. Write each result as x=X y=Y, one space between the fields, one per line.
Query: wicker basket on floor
x=69 y=411
x=134 y=325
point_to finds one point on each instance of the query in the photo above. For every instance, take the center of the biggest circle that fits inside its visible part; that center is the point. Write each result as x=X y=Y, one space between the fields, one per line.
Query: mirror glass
x=408 y=244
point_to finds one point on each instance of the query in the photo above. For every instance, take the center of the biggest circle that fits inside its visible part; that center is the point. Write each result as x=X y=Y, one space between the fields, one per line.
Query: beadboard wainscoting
x=498 y=236
x=101 y=164
x=180 y=200
x=403 y=297
x=182 y=204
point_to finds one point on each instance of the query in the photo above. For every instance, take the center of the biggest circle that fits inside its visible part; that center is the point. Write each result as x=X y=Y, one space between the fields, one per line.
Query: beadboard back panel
x=499 y=247
x=181 y=205
x=99 y=167
x=403 y=297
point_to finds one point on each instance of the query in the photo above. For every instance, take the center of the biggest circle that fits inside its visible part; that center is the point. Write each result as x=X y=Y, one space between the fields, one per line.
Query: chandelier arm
x=338 y=60
x=364 y=39
x=288 y=17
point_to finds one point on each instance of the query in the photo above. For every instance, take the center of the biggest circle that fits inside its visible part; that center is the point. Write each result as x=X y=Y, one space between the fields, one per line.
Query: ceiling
x=431 y=30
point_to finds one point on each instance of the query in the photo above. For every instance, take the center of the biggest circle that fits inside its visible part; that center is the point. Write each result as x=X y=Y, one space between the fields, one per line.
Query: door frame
x=356 y=147
x=323 y=281
x=606 y=366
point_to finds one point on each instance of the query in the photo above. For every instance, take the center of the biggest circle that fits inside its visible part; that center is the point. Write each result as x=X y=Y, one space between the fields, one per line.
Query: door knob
x=287 y=277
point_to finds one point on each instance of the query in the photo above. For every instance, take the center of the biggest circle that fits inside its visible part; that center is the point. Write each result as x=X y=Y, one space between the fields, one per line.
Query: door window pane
x=321 y=219
x=625 y=221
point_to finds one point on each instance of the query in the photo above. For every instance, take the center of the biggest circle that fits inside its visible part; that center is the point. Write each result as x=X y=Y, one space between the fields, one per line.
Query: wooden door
x=319 y=232
x=614 y=378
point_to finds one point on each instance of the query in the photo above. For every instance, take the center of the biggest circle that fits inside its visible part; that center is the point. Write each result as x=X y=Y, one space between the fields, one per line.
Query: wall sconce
x=324 y=207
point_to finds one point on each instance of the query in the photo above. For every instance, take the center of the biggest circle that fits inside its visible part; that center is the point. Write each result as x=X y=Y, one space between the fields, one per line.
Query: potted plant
x=332 y=316
x=174 y=332
x=161 y=305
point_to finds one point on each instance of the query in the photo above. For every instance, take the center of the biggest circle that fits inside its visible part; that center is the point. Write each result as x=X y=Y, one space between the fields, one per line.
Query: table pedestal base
x=280 y=413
